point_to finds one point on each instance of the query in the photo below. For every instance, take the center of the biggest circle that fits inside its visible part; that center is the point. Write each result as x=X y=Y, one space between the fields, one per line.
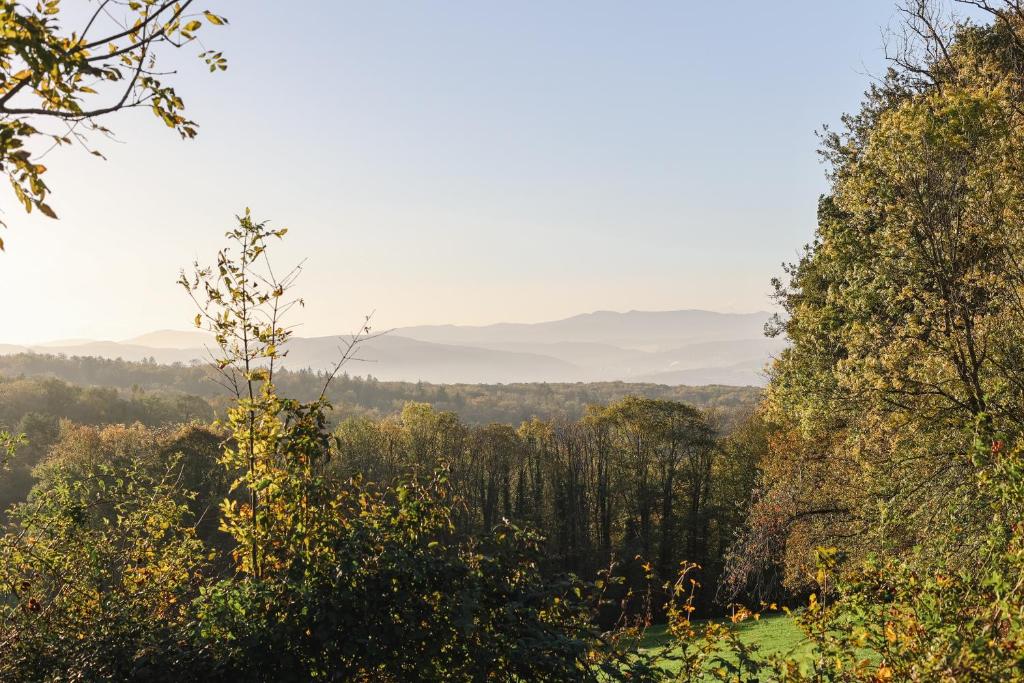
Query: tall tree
x=905 y=313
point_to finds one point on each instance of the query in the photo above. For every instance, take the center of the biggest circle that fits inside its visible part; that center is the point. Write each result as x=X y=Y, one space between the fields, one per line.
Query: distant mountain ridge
x=172 y=339
x=640 y=330
x=688 y=347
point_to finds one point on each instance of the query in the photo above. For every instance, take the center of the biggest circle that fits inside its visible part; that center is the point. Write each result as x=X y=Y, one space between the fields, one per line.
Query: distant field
x=775 y=635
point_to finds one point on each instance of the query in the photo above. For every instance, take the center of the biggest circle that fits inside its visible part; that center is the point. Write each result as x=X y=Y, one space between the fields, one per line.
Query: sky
x=460 y=162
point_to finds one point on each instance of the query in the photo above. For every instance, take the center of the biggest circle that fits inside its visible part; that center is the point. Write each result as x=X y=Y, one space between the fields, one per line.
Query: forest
x=353 y=396
x=241 y=522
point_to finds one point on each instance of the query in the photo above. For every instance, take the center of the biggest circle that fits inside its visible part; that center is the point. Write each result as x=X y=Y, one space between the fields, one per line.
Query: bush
x=96 y=578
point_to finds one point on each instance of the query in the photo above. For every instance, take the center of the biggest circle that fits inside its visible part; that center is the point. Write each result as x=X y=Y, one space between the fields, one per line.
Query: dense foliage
x=639 y=478
x=37 y=408
x=891 y=491
x=904 y=315
x=107 y=576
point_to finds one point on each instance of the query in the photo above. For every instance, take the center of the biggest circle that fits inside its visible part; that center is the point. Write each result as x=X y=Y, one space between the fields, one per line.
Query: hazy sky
x=462 y=162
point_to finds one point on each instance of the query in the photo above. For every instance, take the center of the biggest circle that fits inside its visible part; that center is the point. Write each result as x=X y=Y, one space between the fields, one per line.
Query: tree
x=666 y=449
x=276 y=443
x=8 y=445
x=98 y=571
x=56 y=86
x=904 y=314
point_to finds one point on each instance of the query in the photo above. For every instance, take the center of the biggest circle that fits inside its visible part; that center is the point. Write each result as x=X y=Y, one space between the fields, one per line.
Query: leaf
x=199 y=320
x=214 y=19
x=46 y=210
x=193 y=25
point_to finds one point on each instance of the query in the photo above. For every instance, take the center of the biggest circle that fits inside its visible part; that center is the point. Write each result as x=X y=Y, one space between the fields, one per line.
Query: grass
x=774 y=635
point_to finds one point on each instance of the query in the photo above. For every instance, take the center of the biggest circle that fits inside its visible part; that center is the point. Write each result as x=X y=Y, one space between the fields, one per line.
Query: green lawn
x=774 y=635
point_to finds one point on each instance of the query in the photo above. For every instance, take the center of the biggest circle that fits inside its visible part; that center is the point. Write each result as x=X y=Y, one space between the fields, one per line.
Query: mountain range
x=687 y=347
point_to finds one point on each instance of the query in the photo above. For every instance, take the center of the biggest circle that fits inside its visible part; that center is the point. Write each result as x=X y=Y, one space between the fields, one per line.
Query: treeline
x=137 y=557
x=55 y=398
x=369 y=397
x=35 y=408
x=639 y=478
